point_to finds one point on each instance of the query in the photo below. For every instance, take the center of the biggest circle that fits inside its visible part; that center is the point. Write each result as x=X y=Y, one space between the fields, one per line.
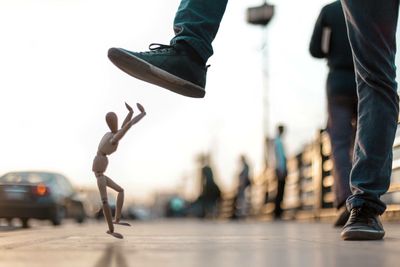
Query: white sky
x=57 y=84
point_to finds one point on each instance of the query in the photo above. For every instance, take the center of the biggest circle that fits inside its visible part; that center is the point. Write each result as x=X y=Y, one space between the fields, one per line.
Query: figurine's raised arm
x=118 y=136
x=129 y=116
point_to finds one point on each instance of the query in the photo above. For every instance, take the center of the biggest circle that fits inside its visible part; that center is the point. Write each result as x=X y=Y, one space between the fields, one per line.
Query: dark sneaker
x=363 y=224
x=174 y=67
x=342 y=218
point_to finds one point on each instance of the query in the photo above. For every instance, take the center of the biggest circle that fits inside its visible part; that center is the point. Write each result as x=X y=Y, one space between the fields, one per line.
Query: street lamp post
x=262 y=15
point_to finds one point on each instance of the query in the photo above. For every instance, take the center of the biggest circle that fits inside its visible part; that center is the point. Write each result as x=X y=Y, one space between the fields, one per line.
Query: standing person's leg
x=179 y=67
x=240 y=203
x=340 y=129
x=341 y=114
x=372 y=33
x=279 y=196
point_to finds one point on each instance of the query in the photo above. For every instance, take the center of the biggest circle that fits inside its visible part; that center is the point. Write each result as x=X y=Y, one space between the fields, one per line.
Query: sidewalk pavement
x=195 y=243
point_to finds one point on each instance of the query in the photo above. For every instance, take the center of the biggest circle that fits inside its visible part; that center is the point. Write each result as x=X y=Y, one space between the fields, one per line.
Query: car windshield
x=26 y=177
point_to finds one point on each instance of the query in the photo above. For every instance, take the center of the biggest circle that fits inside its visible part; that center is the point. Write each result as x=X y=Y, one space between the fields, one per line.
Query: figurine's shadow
x=112 y=253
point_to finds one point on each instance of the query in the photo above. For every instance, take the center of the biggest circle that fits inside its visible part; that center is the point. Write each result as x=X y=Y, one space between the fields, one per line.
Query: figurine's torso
x=105 y=148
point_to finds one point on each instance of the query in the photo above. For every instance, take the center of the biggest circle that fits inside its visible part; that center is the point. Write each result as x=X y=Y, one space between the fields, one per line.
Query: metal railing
x=309 y=191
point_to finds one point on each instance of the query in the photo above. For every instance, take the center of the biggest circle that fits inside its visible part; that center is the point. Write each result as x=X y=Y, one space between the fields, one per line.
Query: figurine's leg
x=102 y=185
x=120 y=198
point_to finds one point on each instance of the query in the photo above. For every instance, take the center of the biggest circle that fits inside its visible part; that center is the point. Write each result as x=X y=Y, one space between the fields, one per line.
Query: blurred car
x=100 y=215
x=93 y=204
x=39 y=195
x=137 y=212
x=176 y=207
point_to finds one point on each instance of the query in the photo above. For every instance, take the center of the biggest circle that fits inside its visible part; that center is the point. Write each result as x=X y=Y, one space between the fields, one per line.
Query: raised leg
x=197 y=22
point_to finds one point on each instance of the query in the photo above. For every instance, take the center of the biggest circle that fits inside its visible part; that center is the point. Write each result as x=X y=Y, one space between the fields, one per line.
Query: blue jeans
x=197 y=23
x=342 y=111
x=372 y=33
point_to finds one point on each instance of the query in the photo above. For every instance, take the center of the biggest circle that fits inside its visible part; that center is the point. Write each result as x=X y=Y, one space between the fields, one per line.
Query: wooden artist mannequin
x=107 y=146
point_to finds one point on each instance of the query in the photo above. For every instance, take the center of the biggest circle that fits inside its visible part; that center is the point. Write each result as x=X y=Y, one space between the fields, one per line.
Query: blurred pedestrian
x=280 y=170
x=329 y=40
x=244 y=183
x=210 y=192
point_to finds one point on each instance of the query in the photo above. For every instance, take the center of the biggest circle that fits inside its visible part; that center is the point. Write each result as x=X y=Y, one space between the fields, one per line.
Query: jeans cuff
x=197 y=45
x=355 y=201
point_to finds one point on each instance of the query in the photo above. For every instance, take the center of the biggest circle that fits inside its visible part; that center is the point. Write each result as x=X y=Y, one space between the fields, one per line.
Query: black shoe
x=363 y=224
x=175 y=67
x=343 y=217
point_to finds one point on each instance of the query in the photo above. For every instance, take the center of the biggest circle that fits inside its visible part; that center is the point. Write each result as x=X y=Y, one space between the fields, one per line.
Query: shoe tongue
x=367 y=211
x=181 y=46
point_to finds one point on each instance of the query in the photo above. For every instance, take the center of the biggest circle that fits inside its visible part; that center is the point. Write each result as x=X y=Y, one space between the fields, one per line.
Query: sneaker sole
x=362 y=235
x=144 y=71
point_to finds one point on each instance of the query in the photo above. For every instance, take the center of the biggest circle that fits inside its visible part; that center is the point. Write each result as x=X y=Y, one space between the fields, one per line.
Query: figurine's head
x=112 y=121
